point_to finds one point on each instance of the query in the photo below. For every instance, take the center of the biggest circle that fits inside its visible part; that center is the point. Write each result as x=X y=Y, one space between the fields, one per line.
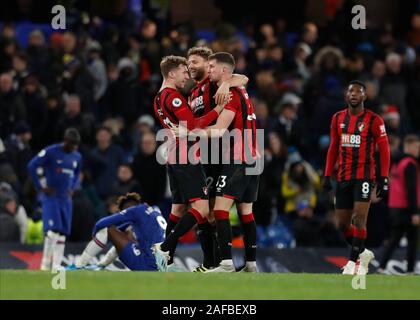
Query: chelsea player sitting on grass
x=133 y=248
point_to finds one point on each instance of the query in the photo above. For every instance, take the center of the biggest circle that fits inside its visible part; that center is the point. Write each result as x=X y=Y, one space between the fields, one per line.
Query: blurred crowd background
x=100 y=75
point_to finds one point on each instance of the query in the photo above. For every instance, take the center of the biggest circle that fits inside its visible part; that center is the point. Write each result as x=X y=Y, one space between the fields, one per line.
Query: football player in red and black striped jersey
x=187 y=180
x=204 y=96
x=355 y=133
x=235 y=183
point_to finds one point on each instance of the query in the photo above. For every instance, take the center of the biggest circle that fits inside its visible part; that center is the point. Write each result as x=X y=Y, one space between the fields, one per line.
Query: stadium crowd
x=101 y=79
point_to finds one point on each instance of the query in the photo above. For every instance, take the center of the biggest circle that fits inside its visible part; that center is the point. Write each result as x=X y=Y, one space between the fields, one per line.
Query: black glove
x=326 y=184
x=382 y=187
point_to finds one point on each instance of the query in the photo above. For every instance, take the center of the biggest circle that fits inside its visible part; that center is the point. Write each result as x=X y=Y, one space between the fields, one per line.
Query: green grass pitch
x=16 y=284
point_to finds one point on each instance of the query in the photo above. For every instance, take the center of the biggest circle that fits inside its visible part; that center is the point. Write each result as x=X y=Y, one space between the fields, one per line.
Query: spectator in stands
x=97 y=69
x=79 y=81
x=301 y=53
x=83 y=218
x=413 y=94
x=106 y=157
x=8 y=48
x=310 y=35
x=36 y=110
x=148 y=172
x=391 y=118
x=9 y=206
x=18 y=150
x=89 y=189
x=393 y=88
x=264 y=121
x=288 y=125
x=145 y=124
x=125 y=182
x=300 y=183
x=413 y=36
x=84 y=122
x=12 y=109
x=270 y=201
x=39 y=62
x=124 y=97
x=20 y=69
x=55 y=114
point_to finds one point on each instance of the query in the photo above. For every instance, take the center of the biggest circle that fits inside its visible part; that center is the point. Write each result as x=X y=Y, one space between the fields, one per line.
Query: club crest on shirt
x=361 y=126
x=176 y=102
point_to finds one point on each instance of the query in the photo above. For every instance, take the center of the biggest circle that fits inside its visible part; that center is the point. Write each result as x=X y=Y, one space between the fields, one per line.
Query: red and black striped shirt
x=353 y=142
x=243 y=126
x=201 y=99
x=172 y=108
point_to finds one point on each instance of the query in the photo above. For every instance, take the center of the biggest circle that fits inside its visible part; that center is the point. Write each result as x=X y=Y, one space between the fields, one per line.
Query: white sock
x=93 y=248
x=251 y=264
x=110 y=257
x=227 y=262
x=49 y=243
x=58 y=252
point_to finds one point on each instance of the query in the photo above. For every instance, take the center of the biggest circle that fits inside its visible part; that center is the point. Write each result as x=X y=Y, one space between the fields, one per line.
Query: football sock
x=95 y=246
x=191 y=218
x=348 y=234
x=216 y=250
x=58 y=252
x=224 y=234
x=358 y=245
x=109 y=257
x=205 y=235
x=49 y=243
x=250 y=236
x=172 y=221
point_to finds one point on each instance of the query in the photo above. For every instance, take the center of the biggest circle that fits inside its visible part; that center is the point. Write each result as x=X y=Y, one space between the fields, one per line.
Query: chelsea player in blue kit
x=133 y=248
x=60 y=166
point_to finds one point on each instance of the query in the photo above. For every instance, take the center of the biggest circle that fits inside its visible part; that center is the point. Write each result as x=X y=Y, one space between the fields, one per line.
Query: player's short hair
x=411 y=138
x=72 y=135
x=203 y=52
x=358 y=82
x=169 y=63
x=223 y=57
x=128 y=197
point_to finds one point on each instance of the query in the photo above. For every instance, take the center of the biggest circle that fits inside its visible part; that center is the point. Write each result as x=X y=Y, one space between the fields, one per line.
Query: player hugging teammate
x=219 y=105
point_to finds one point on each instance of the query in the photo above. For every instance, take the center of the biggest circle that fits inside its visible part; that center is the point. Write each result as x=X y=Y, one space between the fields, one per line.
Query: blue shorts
x=136 y=259
x=57 y=214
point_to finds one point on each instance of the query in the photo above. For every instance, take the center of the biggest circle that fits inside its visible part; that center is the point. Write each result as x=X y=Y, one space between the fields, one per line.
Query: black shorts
x=353 y=190
x=233 y=182
x=212 y=172
x=187 y=183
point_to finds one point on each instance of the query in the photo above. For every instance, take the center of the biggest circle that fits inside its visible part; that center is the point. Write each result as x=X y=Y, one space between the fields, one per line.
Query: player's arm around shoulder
x=223 y=92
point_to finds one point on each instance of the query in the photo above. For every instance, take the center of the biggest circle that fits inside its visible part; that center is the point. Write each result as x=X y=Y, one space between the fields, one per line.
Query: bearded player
x=204 y=97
